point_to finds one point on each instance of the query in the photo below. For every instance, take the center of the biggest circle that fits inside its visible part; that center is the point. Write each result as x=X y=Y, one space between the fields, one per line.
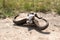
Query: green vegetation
x=12 y=7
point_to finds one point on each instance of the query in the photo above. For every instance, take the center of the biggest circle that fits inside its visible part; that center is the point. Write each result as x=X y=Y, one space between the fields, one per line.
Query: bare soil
x=9 y=31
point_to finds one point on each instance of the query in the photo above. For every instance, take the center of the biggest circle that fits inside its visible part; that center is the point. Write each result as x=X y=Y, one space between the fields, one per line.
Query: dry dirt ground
x=9 y=31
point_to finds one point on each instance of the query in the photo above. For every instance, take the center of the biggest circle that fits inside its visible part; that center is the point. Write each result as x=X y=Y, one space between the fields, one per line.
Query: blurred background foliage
x=10 y=8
